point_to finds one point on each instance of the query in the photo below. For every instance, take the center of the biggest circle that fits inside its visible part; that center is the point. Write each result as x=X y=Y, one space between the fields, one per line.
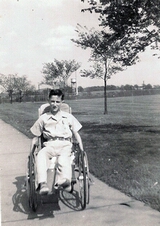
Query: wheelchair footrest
x=50 y=198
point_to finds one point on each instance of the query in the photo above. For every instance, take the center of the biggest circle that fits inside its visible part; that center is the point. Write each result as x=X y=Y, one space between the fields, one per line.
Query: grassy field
x=123 y=146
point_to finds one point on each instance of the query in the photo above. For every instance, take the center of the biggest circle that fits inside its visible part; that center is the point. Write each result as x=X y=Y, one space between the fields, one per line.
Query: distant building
x=44 y=86
x=140 y=87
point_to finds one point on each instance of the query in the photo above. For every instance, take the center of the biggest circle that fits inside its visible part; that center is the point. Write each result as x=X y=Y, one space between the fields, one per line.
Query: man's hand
x=79 y=140
x=35 y=142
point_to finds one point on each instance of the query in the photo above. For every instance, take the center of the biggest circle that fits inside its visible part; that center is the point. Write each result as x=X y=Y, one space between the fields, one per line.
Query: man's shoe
x=69 y=188
x=43 y=189
x=64 y=185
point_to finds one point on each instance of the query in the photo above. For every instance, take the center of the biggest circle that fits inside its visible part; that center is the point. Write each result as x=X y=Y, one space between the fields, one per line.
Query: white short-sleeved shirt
x=59 y=125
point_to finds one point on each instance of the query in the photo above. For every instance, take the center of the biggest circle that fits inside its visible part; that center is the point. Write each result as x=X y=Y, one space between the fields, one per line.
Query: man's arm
x=79 y=140
x=36 y=130
x=35 y=141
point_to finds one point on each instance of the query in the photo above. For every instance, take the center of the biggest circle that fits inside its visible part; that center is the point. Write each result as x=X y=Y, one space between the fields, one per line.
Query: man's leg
x=42 y=166
x=64 y=166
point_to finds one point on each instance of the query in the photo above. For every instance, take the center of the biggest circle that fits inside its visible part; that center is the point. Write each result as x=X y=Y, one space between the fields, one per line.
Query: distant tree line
x=122 y=87
x=33 y=95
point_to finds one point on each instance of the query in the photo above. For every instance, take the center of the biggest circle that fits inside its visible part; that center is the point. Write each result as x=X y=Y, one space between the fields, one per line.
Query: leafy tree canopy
x=135 y=18
x=128 y=27
x=57 y=72
x=14 y=83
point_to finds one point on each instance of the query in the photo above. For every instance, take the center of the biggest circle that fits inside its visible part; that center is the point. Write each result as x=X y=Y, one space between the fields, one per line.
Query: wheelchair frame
x=79 y=181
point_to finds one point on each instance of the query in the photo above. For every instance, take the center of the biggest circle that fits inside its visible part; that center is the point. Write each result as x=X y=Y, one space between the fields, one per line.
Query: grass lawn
x=123 y=146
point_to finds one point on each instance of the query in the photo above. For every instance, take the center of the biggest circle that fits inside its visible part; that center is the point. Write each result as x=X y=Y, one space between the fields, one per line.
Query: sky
x=34 y=32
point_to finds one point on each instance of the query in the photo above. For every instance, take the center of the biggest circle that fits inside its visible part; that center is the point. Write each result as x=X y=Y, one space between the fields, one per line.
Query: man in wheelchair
x=57 y=128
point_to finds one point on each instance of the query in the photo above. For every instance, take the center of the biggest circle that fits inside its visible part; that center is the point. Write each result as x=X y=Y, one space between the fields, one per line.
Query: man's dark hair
x=56 y=92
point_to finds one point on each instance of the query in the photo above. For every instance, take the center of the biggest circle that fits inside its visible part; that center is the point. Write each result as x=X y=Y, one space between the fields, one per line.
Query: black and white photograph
x=80 y=112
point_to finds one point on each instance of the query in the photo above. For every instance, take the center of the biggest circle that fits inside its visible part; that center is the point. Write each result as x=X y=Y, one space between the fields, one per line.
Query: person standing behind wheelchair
x=57 y=128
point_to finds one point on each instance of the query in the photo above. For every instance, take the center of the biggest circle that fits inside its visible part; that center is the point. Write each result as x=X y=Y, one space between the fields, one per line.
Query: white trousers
x=59 y=149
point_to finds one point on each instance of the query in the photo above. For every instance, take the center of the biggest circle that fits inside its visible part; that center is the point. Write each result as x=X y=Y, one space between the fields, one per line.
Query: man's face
x=55 y=103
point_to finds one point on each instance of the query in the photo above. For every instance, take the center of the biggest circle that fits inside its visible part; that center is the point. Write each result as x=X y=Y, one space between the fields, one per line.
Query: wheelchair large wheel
x=33 y=201
x=82 y=180
x=87 y=178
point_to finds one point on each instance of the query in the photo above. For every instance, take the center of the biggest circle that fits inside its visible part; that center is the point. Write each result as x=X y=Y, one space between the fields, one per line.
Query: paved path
x=107 y=205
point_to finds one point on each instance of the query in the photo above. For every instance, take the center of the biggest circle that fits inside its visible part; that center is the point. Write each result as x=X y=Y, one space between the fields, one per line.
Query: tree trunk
x=11 y=95
x=105 y=88
x=105 y=97
x=11 y=99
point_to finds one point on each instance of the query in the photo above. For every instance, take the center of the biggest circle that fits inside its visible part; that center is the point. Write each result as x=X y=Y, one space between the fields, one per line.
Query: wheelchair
x=80 y=180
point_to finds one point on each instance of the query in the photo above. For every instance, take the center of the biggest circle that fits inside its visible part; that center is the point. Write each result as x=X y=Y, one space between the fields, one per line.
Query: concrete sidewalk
x=107 y=205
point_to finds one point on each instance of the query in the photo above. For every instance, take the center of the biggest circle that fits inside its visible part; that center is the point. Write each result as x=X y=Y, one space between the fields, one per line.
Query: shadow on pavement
x=71 y=200
x=46 y=204
x=20 y=199
x=21 y=204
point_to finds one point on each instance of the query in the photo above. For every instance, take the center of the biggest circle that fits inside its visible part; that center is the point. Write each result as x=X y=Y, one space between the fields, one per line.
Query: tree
x=13 y=83
x=156 y=87
x=128 y=27
x=80 y=89
x=22 y=85
x=128 y=87
x=136 y=87
x=112 y=87
x=137 y=19
x=106 y=53
x=57 y=72
x=148 y=86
